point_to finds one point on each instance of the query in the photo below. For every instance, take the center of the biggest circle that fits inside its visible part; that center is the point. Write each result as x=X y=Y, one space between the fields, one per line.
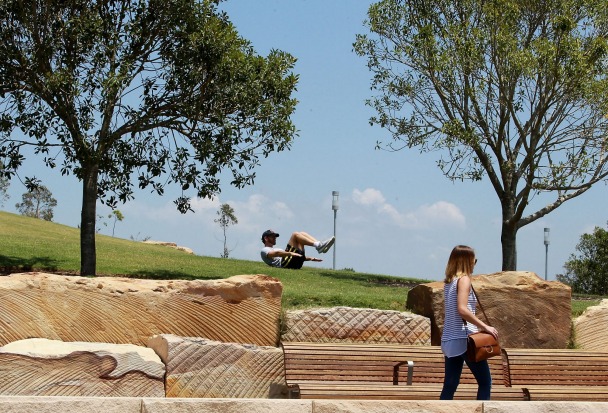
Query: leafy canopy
x=161 y=91
x=512 y=90
x=587 y=269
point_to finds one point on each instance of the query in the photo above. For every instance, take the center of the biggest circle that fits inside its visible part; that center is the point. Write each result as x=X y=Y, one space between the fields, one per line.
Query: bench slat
x=402 y=392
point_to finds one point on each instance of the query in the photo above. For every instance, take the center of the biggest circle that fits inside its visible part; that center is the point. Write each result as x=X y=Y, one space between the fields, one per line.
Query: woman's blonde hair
x=461 y=262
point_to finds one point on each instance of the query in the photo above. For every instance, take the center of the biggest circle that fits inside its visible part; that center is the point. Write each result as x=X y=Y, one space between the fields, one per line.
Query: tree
x=117 y=216
x=226 y=218
x=587 y=271
x=4 y=184
x=152 y=92
x=38 y=202
x=512 y=90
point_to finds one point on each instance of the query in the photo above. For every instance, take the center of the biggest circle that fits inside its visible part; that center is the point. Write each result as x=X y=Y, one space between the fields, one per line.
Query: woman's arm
x=464 y=287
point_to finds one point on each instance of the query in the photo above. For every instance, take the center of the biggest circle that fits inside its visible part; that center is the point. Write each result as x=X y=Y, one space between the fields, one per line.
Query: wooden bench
x=378 y=371
x=574 y=375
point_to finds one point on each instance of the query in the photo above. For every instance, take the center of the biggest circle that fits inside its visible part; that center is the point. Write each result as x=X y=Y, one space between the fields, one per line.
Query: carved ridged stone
x=527 y=311
x=356 y=325
x=41 y=367
x=197 y=367
x=242 y=309
x=591 y=328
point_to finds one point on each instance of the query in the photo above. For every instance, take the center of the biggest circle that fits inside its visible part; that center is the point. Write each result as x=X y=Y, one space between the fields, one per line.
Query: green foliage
x=587 y=270
x=138 y=92
x=512 y=90
x=38 y=202
x=226 y=218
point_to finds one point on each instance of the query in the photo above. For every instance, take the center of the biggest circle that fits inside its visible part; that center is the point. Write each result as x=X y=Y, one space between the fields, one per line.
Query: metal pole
x=546 y=259
x=547 y=231
x=335 y=205
x=335 y=217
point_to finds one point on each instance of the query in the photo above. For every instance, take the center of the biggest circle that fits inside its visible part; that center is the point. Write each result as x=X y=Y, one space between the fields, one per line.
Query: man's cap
x=269 y=232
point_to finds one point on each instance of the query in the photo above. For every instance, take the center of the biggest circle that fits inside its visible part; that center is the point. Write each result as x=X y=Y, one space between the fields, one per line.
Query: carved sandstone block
x=41 y=367
x=527 y=311
x=356 y=325
x=590 y=332
x=197 y=367
x=242 y=309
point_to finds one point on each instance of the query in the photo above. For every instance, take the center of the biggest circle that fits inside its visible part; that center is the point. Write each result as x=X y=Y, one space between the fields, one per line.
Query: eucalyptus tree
x=37 y=202
x=512 y=90
x=4 y=184
x=587 y=269
x=125 y=93
x=226 y=218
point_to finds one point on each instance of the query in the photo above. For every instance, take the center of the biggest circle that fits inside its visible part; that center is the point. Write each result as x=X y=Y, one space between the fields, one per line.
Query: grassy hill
x=29 y=244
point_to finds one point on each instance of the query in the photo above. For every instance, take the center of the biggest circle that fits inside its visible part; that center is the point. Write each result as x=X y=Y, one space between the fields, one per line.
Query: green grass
x=29 y=244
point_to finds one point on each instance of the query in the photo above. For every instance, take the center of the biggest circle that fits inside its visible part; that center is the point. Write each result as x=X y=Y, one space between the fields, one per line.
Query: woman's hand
x=491 y=330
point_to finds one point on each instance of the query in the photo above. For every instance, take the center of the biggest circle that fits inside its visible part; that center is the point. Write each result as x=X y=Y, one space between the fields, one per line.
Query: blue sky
x=398 y=214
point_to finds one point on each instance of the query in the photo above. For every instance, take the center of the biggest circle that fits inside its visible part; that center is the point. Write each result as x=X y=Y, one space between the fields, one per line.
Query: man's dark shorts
x=294 y=263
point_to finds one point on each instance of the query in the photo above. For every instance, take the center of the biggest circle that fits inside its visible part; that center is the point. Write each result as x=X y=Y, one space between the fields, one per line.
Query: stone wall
x=356 y=325
x=157 y=405
x=240 y=309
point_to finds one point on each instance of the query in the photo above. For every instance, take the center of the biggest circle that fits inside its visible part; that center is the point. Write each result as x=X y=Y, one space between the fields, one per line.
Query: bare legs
x=301 y=239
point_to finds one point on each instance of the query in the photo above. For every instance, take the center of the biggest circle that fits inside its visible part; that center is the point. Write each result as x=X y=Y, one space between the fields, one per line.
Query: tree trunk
x=508 y=239
x=88 y=258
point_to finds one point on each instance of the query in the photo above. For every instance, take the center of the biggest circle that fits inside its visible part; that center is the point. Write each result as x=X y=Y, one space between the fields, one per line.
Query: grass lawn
x=29 y=244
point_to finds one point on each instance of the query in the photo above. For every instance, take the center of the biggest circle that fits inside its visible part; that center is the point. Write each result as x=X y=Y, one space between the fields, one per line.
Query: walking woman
x=459 y=306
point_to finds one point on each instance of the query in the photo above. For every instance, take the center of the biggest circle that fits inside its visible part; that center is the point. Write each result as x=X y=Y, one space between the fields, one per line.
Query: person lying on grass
x=293 y=256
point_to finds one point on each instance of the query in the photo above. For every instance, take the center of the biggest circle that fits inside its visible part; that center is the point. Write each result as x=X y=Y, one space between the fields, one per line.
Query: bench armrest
x=410 y=372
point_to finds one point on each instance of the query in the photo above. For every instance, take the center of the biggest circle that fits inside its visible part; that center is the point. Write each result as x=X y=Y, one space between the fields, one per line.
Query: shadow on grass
x=10 y=265
x=367 y=279
x=163 y=274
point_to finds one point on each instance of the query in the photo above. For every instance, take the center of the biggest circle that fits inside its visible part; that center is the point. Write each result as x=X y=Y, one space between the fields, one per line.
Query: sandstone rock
x=527 y=311
x=54 y=404
x=242 y=309
x=41 y=367
x=398 y=406
x=171 y=245
x=227 y=406
x=356 y=325
x=197 y=367
x=590 y=332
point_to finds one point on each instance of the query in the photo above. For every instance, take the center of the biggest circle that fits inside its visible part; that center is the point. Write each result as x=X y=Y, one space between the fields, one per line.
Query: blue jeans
x=453 y=370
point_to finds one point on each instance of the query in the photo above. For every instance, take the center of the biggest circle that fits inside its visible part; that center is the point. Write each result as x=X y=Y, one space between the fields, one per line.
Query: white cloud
x=368 y=196
x=205 y=204
x=439 y=214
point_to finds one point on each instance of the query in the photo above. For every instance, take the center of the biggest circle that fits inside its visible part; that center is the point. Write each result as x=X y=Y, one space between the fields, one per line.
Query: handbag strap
x=478 y=302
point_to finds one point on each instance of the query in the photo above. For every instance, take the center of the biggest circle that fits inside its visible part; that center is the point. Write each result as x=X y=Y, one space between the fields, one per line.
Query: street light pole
x=546 y=250
x=335 y=205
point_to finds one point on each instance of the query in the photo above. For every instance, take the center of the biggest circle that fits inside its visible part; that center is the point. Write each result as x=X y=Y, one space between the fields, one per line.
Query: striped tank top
x=453 y=325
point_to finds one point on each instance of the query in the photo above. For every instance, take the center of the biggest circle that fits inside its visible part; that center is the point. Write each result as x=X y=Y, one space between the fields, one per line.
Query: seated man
x=293 y=255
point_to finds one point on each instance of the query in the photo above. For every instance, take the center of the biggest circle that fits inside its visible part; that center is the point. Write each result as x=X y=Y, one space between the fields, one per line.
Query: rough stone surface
x=545 y=407
x=19 y=404
x=41 y=367
x=226 y=406
x=527 y=311
x=241 y=309
x=352 y=325
x=394 y=406
x=171 y=245
x=197 y=367
x=41 y=404
x=590 y=328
